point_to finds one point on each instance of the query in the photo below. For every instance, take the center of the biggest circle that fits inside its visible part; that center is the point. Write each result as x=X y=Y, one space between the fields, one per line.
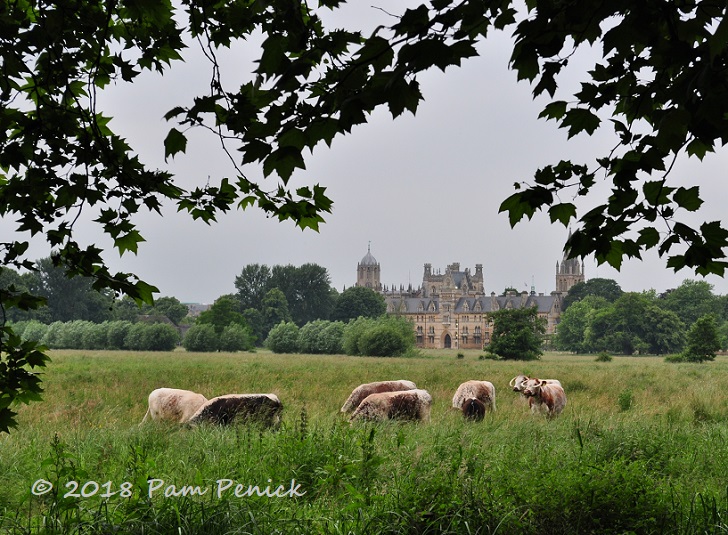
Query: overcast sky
x=422 y=189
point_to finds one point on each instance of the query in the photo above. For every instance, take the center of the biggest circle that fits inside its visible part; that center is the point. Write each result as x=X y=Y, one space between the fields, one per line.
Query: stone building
x=450 y=309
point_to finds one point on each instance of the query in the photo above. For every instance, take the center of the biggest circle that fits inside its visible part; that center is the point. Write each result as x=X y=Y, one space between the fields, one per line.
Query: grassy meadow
x=640 y=448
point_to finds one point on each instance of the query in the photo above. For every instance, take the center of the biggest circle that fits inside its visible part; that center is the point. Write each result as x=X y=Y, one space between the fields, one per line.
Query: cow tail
x=145 y=416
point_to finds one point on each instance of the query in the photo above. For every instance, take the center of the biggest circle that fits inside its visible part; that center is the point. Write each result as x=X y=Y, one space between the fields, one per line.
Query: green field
x=640 y=448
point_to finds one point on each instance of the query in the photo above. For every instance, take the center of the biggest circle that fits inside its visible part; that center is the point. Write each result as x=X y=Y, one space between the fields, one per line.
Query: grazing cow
x=264 y=409
x=473 y=409
x=401 y=405
x=480 y=390
x=519 y=381
x=362 y=391
x=173 y=404
x=544 y=397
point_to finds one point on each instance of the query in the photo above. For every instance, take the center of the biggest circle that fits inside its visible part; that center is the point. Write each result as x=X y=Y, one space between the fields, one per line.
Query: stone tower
x=368 y=272
x=568 y=273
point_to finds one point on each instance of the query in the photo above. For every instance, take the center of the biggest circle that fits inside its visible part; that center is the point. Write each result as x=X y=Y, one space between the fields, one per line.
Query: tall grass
x=657 y=464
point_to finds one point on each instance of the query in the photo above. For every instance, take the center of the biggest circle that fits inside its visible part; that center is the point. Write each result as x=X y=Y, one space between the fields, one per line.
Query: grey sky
x=422 y=189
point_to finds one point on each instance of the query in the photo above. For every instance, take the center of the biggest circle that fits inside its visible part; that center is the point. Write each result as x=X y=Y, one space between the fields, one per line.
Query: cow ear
x=542 y=382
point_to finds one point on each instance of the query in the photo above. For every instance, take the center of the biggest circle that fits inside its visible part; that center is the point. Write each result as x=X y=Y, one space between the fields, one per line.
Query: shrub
x=283 y=338
x=460 y=356
x=134 y=338
x=32 y=330
x=309 y=337
x=116 y=333
x=95 y=336
x=383 y=341
x=332 y=338
x=235 y=337
x=353 y=333
x=71 y=334
x=603 y=357
x=201 y=337
x=159 y=337
x=50 y=338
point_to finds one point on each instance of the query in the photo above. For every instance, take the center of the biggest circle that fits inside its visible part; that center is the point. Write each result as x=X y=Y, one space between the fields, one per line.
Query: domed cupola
x=367 y=272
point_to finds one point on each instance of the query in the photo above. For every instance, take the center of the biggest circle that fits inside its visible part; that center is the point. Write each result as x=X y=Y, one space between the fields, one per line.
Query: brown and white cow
x=484 y=391
x=401 y=405
x=173 y=405
x=544 y=397
x=264 y=409
x=518 y=382
x=362 y=391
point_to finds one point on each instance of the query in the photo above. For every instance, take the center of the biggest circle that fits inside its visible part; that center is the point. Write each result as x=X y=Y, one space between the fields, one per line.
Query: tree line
x=689 y=320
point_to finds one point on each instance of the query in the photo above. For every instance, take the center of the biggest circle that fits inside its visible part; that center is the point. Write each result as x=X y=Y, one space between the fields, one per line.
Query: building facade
x=450 y=309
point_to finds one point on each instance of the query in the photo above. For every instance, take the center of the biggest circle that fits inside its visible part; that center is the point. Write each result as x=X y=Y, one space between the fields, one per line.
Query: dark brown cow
x=473 y=409
x=544 y=397
x=481 y=390
x=173 y=405
x=264 y=409
x=403 y=405
x=362 y=391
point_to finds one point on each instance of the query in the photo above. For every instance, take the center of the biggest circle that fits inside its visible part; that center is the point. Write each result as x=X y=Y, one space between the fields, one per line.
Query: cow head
x=518 y=382
x=532 y=387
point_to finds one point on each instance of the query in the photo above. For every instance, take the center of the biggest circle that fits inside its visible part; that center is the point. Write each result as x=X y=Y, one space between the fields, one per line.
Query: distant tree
x=663 y=332
x=223 y=312
x=313 y=298
x=691 y=300
x=283 y=338
x=169 y=307
x=275 y=309
x=236 y=337
x=254 y=319
x=606 y=288
x=252 y=284
x=574 y=322
x=635 y=323
x=358 y=301
x=67 y=298
x=125 y=309
x=201 y=337
x=509 y=289
x=517 y=333
x=703 y=341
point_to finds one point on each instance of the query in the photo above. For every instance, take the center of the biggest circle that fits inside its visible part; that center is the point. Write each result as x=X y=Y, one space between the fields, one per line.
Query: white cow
x=362 y=391
x=173 y=405
x=264 y=409
x=484 y=391
x=401 y=405
x=544 y=397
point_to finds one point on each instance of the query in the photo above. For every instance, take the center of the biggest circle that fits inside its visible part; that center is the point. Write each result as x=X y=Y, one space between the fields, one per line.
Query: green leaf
x=128 y=242
x=562 y=212
x=579 y=120
x=688 y=198
x=174 y=143
x=554 y=110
